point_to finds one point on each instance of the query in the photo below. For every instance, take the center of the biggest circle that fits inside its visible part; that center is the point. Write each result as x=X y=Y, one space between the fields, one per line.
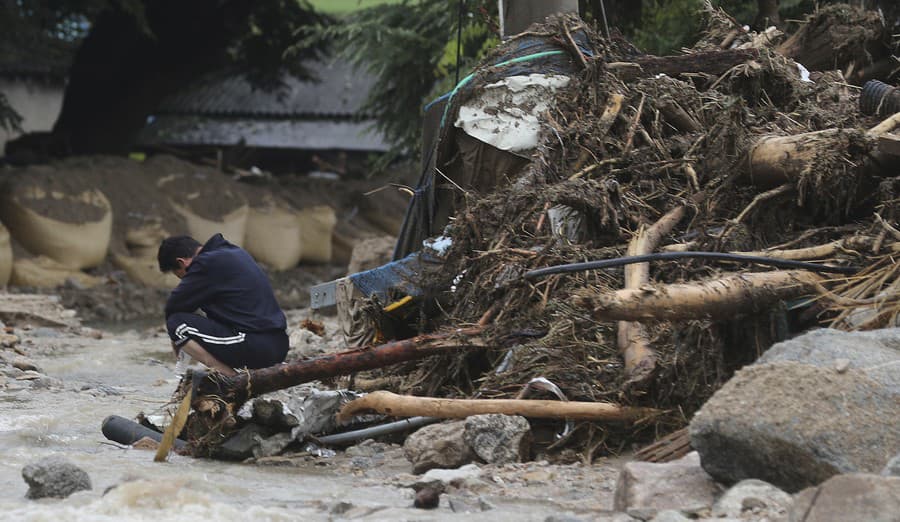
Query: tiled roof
x=340 y=92
x=287 y=133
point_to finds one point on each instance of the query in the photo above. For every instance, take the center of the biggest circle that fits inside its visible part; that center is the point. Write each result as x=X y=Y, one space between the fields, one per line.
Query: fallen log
x=252 y=383
x=708 y=62
x=408 y=406
x=716 y=299
x=775 y=160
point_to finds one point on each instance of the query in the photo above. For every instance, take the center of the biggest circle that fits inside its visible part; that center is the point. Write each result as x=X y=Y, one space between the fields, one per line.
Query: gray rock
x=892 y=469
x=877 y=353
x=54 y=477
x=460 y=504
x=670 y=515
x=499 y=439
x=795 y=425
x=754 y=498
x=438 y=446
x=646 y=488
x=855 y=496
x=274 y=414
x=274 y=445
x=241 y=445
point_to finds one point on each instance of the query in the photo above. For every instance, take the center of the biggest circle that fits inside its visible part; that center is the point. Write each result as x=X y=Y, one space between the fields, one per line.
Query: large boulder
x=795 y=425
x=438 y=446
x=877 y=352
x=54 y=477
x=645 y=488
x=855 y=496
x=499 y=439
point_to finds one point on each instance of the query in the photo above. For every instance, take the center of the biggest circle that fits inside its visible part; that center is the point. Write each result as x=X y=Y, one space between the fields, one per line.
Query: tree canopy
x=132 y=53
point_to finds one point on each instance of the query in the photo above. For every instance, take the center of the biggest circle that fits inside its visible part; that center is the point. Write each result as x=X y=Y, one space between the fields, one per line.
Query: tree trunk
x=252 y=383
x=776 y=160
x=766 y=15
x=717 y=299
x=120 y=73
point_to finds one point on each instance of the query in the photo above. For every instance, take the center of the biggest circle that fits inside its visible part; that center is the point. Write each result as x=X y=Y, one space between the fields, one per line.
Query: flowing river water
x=84 y=379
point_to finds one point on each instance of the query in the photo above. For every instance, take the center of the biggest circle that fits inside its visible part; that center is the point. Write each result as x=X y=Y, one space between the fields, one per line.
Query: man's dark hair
x=174 y=247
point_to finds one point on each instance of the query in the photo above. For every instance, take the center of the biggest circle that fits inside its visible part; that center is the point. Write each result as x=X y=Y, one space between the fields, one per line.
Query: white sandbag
x=233 y=225
x=316 y=226
x=43 y=272
x=144 y=241
x=6 y=256
x=273 y=236
x=74 y=245
x=145 y=270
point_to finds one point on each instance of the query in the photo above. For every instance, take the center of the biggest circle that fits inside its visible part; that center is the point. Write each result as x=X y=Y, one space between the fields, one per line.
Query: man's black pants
x=236 y=349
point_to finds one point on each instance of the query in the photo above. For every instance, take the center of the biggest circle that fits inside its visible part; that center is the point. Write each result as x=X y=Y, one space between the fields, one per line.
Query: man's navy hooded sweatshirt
x=244 y=326
x=225 y=282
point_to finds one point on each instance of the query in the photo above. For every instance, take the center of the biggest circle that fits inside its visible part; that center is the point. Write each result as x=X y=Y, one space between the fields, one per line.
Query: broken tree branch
x=632 y=339
x=719 y=298
x=709 y=62
x=408 y=406
x=253 y=383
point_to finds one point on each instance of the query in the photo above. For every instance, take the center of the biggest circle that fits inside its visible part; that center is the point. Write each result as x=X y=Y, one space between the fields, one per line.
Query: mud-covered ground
x=59 y=383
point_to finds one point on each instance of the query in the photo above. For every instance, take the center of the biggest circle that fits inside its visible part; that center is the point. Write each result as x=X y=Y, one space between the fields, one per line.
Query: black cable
x=722 y=256
x=459 y=22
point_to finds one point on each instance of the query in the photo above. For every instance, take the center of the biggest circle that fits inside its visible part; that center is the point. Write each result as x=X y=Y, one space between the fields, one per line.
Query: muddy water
x=89 y=379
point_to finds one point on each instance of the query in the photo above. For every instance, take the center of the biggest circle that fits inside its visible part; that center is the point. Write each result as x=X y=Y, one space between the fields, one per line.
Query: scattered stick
x=888 y=227
x=769 y=194
x=610 y=113
x=673 y=446
x=633 y=127
x=408 y=406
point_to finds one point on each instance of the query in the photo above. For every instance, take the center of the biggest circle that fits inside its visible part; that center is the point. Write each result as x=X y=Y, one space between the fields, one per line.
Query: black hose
x=722 y=256
x=879 y=98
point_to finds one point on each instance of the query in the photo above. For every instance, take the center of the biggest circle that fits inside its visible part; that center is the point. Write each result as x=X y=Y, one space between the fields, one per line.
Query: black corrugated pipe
x=126 y=431
x=879 y=98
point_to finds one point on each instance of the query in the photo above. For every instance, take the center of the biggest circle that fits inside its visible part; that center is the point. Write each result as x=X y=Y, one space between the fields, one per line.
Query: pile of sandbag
x=69 y=216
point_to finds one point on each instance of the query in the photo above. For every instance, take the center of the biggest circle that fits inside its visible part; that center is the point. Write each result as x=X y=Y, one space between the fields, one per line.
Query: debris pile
x=730 y=148
x=736 y=197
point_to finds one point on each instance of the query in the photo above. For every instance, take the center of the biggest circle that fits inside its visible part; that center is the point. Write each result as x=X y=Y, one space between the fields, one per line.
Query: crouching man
x=243 y=328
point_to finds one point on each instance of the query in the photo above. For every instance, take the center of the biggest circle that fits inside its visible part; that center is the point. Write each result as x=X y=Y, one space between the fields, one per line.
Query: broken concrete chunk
x=54 y=477
x=645 y=488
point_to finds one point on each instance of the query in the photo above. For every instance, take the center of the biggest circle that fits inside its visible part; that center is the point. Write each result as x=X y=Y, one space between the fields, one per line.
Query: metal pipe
x=351 y=436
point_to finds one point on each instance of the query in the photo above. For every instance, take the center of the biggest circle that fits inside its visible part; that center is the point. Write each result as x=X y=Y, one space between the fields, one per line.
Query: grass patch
x=338 y=7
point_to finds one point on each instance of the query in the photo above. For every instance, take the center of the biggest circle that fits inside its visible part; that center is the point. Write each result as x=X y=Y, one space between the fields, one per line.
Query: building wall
x=37 y=102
